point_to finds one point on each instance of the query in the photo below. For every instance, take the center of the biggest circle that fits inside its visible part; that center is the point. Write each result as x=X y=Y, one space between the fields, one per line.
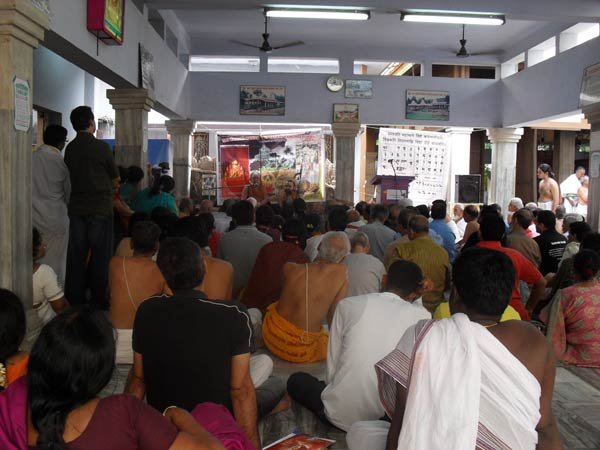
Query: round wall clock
x=335 y=83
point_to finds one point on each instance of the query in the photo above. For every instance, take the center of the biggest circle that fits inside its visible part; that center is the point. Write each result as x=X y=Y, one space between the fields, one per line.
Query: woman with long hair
x=13 y=363
x=157 y=195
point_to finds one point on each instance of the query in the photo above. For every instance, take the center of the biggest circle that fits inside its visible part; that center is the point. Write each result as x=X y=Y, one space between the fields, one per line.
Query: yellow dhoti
x=290 y=342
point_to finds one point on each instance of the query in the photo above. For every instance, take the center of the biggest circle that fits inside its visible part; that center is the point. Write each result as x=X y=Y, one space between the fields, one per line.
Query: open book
x=300 y=442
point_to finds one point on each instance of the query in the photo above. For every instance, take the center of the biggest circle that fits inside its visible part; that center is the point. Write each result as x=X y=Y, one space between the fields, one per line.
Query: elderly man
x=498 y=378
x=380 y=236
x=292 y=328
x=514 y=205
x=365 y=272
x=517 y=238
x=50 y=192
x=569 y=188
x=457 y=212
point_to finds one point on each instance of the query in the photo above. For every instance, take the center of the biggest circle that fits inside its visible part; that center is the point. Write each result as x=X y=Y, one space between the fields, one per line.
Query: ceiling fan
x=463 y=52
x=266 y=46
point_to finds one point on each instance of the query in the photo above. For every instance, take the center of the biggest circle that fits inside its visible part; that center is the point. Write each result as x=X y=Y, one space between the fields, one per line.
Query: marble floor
x=576 y=405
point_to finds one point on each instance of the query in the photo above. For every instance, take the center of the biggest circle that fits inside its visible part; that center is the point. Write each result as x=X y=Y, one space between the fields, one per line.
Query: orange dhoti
x=290 y=342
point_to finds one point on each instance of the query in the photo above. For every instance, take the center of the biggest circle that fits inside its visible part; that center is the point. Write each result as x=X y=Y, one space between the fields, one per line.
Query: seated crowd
x=431 y=327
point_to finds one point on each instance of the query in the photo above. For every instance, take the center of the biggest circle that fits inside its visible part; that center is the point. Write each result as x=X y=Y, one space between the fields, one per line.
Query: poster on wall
x=427 y=105
x=105 y=19
x=280 y=160
x=422 y=154
x=234 y=169
x=359 y=89
x=262 y=100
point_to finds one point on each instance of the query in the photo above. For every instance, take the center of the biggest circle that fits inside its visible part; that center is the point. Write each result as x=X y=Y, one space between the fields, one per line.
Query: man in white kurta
x=364 y=329
x=51 y=189
x=569 y=188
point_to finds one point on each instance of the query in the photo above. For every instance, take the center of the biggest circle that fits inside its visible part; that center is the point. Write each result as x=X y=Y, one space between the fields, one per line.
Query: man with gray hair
x=514 y=205
x=292 y=327
x=365 y=272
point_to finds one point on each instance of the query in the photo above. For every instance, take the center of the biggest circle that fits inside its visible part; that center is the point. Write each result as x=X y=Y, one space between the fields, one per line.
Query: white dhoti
x=261 y=368
x=582 y=209
x=124 y=346
x=57 y=244
x=465 y=390
x=546 y=206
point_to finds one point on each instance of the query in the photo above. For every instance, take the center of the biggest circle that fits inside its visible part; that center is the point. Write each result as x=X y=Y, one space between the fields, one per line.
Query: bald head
x=334 y=247
x=418 y=227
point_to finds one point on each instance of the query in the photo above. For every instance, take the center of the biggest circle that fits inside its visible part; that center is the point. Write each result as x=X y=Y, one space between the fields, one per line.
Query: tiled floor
x=576 y=405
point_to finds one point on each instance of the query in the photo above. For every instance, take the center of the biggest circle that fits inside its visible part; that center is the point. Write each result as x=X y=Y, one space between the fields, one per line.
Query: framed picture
x=359 y=89
x=105 y=19
x=146 y=80
x=345 y=113
x=427 y=105
x=262 y=100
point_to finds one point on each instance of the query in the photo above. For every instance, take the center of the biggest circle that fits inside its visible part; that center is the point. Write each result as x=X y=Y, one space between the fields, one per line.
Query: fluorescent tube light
x=317 y=14
x=458 y=18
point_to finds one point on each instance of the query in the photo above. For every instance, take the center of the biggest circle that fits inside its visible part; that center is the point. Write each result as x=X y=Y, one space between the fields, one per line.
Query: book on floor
x=300 y=442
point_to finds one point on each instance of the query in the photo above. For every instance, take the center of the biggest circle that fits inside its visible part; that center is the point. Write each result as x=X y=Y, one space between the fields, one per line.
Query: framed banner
x=427 y=105
x=262 y=100
x=106 y=20
x=359 y=89
x=345 y=113
x=234 y=165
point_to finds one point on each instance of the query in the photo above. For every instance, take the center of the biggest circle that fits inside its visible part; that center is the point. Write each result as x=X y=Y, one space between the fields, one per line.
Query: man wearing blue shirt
x=438 y=214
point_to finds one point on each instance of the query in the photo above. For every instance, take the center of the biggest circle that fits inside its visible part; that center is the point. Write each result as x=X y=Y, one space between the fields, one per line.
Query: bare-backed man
x=292 y=328
x=549 y=192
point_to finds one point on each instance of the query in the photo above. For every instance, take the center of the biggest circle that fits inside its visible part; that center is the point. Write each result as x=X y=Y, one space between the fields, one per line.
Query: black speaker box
x=468 y=189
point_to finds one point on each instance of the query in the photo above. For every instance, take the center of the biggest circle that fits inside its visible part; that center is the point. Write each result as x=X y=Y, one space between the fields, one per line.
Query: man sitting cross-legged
x=292 y=329
x=469 y=381
x=365 y=328
x=188 y=349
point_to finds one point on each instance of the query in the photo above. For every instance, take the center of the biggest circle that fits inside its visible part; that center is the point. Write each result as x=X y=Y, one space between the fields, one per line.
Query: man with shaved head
x=293 y=326
x=429 y=256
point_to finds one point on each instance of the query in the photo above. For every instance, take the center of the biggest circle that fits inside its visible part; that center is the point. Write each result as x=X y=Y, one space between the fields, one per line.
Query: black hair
x=208 y=221
x=12 y=325
x=524 y=217
x=586 y=264
x=491 y=227
x=165 y=219
x=242 y=213
x=81 y=117
x=70 y=363
x=134 y=174
x=194 y=228
x=546 y=168
x=299 y=206
x=137 y=217
x=180 y=262
x=560 y=212
x=164 y=183
x=547 y=218
x=423 y=210
x=294 y=231
x=379 y=212
x=145 y=236
x=404 y=276
x=471 y=211
x=579 y=230
x=37 y=241
x=278 y=222
x=227 y=206
x=264 y=215
x=484 y=280
x=438 y=210
x=185 y=203
x=55 y=135
x=337 y=219
x=493 y=209
x=418 y=224
x=405 y=216
x=362 y=208
x=313 y=222
x=591 y=242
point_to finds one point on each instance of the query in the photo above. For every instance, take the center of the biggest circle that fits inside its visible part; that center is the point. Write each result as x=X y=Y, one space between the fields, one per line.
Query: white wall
x=118 y=65
x=549 y=88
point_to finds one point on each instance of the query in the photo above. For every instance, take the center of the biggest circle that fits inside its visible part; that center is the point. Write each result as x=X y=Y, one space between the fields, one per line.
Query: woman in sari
x=575 y=314
x=13 y=363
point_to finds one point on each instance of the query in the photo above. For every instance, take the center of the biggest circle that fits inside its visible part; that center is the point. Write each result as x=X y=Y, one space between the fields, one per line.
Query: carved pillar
x=180 y=134
x=345 y=140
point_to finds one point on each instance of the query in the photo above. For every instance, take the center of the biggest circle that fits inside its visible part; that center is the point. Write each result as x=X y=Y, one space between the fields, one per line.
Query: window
x=541 y=52
x=201 y=63
x=460 y=71
x=578 y=34
x=157 y=22
x=171 y=40
x=387 y=68
x=303 y=65
x=513 y=66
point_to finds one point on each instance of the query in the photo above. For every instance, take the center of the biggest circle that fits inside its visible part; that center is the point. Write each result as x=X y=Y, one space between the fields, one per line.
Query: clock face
x=335 y=83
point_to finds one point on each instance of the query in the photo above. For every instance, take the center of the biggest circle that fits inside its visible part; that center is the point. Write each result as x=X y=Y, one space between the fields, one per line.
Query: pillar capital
x=345 y=129
x=459 y=130
x=508 y=135
x=23 y=20
x=180 y=126
x=131 y=99
x=592 y=114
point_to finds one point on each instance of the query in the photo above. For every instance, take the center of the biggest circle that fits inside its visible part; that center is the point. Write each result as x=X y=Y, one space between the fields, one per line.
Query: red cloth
x=213 y=242
x=265 y=282
x=219 y=422
x=525 y=269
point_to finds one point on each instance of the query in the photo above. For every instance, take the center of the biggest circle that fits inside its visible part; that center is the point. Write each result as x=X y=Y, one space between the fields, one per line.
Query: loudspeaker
x=468 y=188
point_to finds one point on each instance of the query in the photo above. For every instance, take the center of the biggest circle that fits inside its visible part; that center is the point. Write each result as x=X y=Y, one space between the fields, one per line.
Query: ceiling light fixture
x=331 y=14
x=451 y=17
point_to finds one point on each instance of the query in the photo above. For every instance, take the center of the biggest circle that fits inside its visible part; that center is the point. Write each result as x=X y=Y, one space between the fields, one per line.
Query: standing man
x=94 y=178
x=569 y=188
x=51 y=189
x=549 y=193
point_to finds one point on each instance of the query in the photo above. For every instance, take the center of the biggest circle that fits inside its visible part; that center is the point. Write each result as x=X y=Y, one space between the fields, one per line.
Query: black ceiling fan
x=463 y=52
x=266 y=46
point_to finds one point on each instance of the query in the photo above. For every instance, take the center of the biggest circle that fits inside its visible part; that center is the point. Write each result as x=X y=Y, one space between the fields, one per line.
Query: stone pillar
x=504 y=161
x=564 y=154
x=459 y=144
x=22 y=27
x=131 y=125
x=180 y=134
x=527 y=182
x=345 y=140
x=592 y=114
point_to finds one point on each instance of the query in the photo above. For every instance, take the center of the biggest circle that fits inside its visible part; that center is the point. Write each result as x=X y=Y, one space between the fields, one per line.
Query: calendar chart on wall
x=422 y=154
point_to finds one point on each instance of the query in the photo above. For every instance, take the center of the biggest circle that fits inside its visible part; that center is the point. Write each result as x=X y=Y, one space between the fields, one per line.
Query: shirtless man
x=292 y=328
x=549 y=192
x=582 y=196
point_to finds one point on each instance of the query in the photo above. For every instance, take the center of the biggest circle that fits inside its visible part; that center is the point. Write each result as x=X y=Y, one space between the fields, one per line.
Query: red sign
x=106 y=20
